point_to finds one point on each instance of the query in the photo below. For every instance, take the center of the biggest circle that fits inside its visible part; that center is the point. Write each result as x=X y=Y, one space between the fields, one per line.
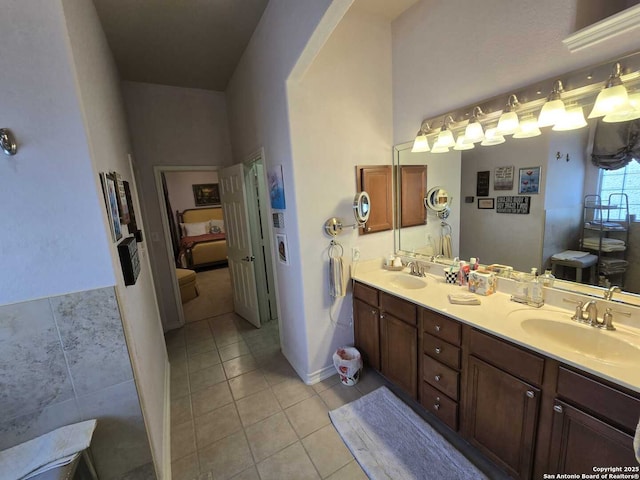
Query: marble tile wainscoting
x=64 y=359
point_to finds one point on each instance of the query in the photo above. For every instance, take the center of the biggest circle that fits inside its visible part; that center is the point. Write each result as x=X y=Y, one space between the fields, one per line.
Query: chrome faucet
x=591 y=309
x=417 y=269
x=608 y=294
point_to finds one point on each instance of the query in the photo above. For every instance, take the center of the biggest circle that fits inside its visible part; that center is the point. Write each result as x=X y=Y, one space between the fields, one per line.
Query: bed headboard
x=193 y=215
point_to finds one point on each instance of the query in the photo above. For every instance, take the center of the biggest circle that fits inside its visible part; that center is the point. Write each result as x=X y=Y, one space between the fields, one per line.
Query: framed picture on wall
x=529 y=180
x=482 y=184
x=111 y=200
x=503 y=178
x=276 y=188
x=283 y=248
x=206 y=194
x=486 y=203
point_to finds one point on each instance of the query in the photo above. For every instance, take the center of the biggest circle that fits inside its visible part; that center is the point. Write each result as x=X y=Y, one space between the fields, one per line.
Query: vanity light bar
x=580 y=88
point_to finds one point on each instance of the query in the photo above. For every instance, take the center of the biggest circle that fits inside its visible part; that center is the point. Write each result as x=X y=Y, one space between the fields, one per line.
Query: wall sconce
x=553 y=109
x=421 y=144
x=572 y=119
x=613 y=97
x=492 y=137
x=474 y=132
x=463 y=144
x=508 y=122
x=529 y=127
x=8 y=142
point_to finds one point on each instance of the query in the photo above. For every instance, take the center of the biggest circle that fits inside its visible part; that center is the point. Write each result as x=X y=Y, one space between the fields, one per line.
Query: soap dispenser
x=547 y=278
x=534 y=290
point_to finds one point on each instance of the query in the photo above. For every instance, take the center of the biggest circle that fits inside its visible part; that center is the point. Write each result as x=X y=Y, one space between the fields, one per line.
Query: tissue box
x=482 y=283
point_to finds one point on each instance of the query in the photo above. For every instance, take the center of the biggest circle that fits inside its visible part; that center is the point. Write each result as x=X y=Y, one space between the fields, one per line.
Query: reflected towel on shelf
x=569 y=255
x=337 y=280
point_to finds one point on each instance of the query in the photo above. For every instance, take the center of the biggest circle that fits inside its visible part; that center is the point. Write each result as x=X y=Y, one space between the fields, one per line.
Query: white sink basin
x=407 y=281
x=561 y=331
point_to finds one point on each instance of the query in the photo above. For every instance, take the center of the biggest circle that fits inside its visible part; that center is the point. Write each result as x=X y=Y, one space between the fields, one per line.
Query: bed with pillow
x=202 y=238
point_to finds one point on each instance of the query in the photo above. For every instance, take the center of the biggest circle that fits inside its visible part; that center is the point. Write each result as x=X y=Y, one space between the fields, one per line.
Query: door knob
x=557 y=408
x=530 y=394
x=438 y=350
x=249 y=258
x=437 y=378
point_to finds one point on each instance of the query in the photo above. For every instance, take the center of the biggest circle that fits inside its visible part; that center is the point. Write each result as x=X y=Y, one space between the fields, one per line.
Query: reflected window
x=624 y=180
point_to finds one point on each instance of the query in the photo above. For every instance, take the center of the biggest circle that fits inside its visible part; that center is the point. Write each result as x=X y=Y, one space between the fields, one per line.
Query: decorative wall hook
x=8 y=142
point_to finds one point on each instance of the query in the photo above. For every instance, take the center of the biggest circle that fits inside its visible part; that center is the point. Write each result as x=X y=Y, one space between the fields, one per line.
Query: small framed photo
x=283 y=248
x=486 y=203
x=529 y=180
x=111 y=201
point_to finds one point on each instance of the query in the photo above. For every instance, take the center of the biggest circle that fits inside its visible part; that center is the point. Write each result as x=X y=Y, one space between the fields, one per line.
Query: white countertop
x=499 y=316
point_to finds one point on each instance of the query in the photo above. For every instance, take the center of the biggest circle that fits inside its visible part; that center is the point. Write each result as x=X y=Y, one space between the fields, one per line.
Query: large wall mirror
x=502 y=230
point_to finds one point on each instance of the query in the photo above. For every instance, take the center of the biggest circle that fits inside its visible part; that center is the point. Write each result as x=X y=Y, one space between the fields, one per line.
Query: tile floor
x=238 y=409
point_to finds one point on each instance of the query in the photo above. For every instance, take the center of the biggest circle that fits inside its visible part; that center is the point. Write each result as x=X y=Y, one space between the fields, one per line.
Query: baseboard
x=166 y=437
x=319 y=375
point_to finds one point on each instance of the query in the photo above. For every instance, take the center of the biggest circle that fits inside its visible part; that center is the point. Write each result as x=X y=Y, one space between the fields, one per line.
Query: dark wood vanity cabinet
x=440 y=364
x=528 y=413
x=385 y=332
x=502 y=401
x=593 y=425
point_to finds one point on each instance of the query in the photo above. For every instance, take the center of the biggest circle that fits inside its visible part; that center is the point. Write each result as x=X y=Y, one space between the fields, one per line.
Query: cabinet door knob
x=373 y=312
x=557 y=408
x=382 y=315
x=438 y=328
x=436 y=406
x=530 y=394
x=438 y=350
x=437 y=378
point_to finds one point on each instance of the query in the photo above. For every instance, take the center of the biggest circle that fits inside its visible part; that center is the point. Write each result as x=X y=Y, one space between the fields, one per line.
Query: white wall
x=180 y=187
x=55 y=239
x=171 y=126
x=259 y=117
x=450 y=54
x=340 y=113
x=103 y=111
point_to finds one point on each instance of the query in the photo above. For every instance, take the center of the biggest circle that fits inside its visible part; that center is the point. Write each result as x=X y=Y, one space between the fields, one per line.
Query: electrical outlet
x=355 y=254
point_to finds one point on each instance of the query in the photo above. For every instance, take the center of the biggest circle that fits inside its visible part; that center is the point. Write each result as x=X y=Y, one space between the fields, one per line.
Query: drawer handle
x=530 y=394
x=557 y=408
x=436 y=406
x=437 y=378
x=438 y=327
x=438 y=350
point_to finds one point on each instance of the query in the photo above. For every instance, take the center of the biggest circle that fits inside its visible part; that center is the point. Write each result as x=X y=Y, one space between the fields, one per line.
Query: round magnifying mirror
x=438 y=199
x=362 y=207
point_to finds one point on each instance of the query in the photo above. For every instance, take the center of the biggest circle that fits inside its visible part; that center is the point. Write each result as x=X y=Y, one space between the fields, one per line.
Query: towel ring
x=333 y=247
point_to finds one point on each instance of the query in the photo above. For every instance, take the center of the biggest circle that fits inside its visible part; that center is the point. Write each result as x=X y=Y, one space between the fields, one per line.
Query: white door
x=239 y=251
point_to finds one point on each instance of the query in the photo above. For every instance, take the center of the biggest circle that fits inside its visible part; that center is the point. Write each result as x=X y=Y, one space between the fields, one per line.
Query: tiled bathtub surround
x=62 y=360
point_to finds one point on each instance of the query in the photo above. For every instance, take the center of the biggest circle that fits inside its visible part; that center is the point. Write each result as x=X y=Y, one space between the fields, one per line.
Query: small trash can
x=348 y=363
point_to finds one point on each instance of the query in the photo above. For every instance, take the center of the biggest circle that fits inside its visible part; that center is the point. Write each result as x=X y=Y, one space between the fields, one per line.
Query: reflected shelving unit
x=605 y=233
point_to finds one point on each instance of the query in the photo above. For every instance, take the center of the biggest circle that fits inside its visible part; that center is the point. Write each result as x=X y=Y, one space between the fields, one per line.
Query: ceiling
x=184 y=43
x=192 y=43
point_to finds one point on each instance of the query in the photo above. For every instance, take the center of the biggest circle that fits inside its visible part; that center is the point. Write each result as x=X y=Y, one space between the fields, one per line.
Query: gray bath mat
x=390 y=441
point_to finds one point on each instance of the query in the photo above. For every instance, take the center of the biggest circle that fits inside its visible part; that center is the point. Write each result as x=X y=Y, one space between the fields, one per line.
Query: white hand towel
x=464 y=299
x=31 y=456
x=337 y=281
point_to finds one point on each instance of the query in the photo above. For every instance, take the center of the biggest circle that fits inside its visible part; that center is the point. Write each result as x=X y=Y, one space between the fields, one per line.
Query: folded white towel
x=28 y=457
x=464 y=299
x=569 y=255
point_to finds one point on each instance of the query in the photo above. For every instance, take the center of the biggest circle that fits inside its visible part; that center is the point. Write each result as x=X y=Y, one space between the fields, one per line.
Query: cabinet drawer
x=440 y=405
x=441 y=350
x=440 y=376
x=365 y=293
x=598 y=398
x=506 y=356
x=441 y=326
x=399 y=308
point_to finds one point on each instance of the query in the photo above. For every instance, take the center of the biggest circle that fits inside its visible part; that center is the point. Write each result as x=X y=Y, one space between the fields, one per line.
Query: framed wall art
x=276 y=188
x=482 y=184
x=503 y=178
x=283 y=248
x=123 y=206
x=486 y=203
x=111 y=200
x=206 y=194
x=529 y=181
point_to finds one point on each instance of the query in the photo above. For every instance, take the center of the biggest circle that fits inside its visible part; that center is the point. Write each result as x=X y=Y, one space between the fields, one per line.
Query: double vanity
x=532 y=389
